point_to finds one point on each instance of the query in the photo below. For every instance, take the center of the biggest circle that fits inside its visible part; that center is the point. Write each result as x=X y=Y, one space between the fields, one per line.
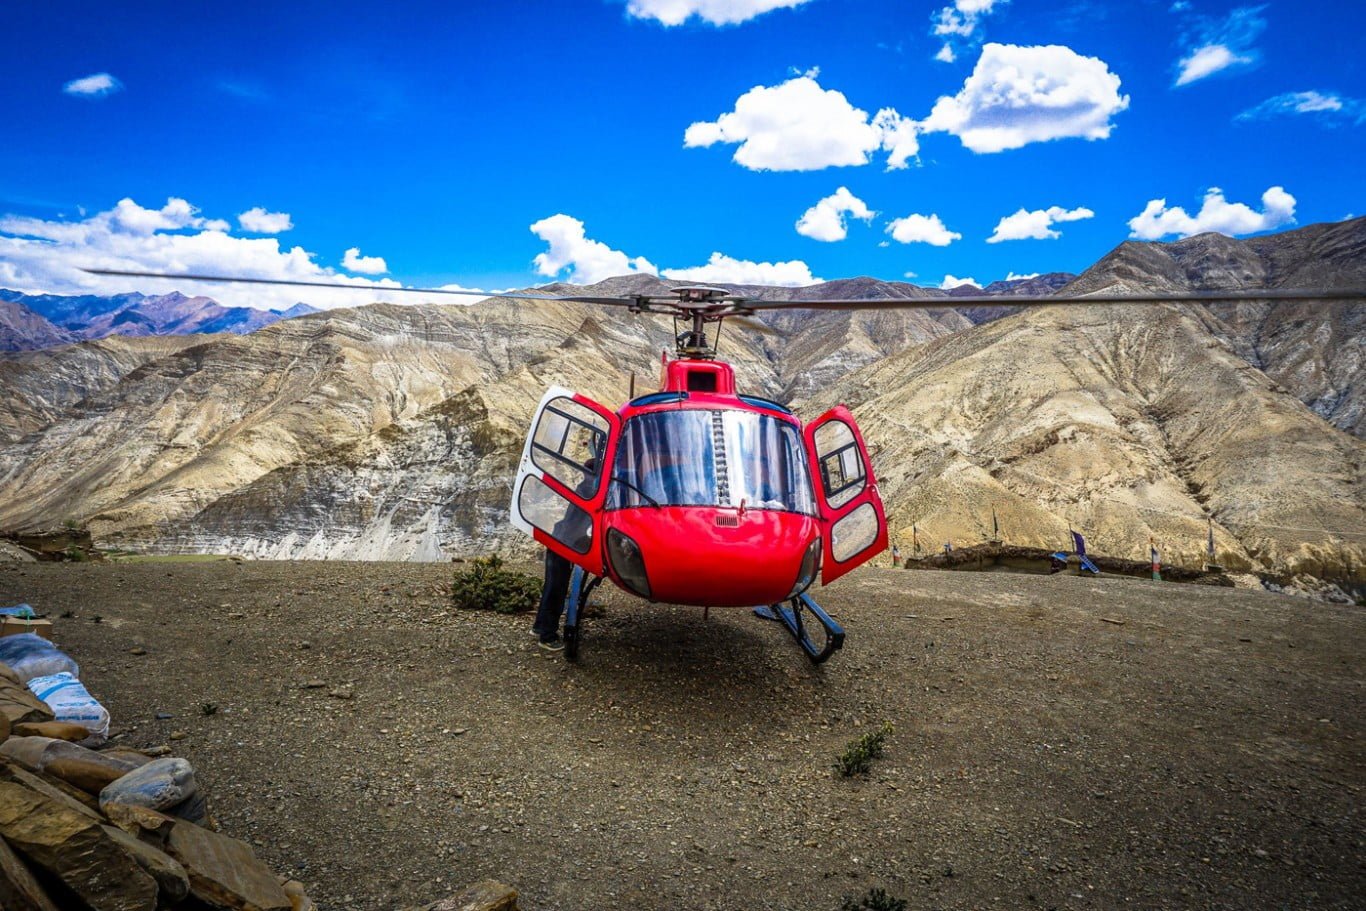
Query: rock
x=298 y=896
x=91 y=777
x=341 y=694
x=160 y=784
x=485 y=895
x=17 y=702
x=224 y=872
x=140 y=822
x=5 y=728
x=89 y=770
x=314 y=684
x=173 y=883
x=52 y=787
x=57 y=730
x=139 y=650
x=19 y=891
x=75 y=849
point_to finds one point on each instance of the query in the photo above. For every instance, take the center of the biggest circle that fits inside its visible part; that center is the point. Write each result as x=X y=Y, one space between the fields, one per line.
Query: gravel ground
x=1205 y=753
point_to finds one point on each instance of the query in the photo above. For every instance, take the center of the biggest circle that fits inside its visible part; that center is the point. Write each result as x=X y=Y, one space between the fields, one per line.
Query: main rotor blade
x=1005 y=300
x=573 y=298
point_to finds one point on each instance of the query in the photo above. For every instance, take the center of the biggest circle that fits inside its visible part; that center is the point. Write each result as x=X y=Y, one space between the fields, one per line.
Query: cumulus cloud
x=370 y=265
x=1036 y=224
x=1216 y=214
x=259 y=221
x=957 y=25
x=715 y=12
x=1215 y=45
x=94 y=86
x=722 y=268
x=799 y=126
x=1016 y=277
x=583 y=261
x=39 y=255
x=1018 y=95
x=826 y=219
x=1325 y=106
x=950 y=282
x=922 y=229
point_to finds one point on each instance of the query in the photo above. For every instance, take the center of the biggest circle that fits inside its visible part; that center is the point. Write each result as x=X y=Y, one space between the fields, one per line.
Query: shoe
x=552 y=645
x=535 y=632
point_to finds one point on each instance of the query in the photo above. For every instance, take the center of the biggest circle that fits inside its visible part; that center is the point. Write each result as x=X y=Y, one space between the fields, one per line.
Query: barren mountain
x=92 y=316
x=1122 y=422
x=391 y=431
x=21 y=329
x=1315 y=349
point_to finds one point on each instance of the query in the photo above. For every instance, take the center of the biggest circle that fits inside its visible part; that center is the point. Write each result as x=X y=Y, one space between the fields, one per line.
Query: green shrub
x=859 y=754
x=874 y=900
x=486 y=585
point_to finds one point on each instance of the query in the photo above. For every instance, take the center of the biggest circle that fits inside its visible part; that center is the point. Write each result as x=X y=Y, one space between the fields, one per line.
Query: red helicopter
x=700 y=495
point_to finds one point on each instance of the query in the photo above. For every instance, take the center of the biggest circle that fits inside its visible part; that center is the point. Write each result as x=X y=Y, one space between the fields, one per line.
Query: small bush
x=859 y=754
x=874 y=900
x=208 y=708
x=486 y=585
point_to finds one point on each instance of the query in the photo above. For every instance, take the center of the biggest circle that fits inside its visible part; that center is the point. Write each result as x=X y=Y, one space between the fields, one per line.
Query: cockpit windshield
x=711 y=458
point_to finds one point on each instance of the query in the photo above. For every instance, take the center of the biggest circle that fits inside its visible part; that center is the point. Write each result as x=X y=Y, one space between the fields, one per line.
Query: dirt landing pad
x=1060 y=742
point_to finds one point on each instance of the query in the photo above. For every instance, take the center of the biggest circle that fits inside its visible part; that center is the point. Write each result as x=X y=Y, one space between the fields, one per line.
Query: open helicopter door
x=559 y=492
x=846 y=491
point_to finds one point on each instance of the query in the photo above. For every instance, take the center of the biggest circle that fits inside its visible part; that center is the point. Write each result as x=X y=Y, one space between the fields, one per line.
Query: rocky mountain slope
x=1124 y=423
x=391 y=431
x=1315 y=349
x=92 y=316
x=23 y=330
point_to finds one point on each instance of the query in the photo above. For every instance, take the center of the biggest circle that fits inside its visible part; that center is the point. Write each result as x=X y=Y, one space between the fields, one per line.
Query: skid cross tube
x=790 y=616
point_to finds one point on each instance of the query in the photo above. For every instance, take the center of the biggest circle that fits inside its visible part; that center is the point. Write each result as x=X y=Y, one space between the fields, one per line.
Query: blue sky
x=434 y=136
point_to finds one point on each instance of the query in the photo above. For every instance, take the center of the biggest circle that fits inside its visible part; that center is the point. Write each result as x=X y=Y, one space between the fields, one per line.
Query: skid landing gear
x=791 y=616
x=580 y=588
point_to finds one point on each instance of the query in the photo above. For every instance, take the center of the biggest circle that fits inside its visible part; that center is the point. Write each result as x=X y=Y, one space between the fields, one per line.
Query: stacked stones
x=112 y=829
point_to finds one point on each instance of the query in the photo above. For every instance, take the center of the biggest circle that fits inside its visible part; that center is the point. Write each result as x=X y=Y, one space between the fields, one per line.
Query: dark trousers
x=553 y=594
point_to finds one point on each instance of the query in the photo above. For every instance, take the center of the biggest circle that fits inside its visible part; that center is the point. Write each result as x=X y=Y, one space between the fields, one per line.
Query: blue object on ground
x=29 y=655
x=1090 y=567
x=19 y=610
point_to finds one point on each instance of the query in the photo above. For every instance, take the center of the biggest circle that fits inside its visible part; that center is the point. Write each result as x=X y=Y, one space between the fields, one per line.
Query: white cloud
x=826 y=219
x=1206 y=61
x=950 y=282
x=38 y=255
x=94 y=86
x=1015 y=277
x=716 y=12
x=1018 y=95
x=370 y=265
x=586 y=261
x=922 y=229
x=908 y=275
x=581 y=260
x=1215 y=45
x=259 y=221
x=799 y=126
x=957 y=24
x=722 y=268
x=1323 y=105
x=1216 y=214
x=1036 y=224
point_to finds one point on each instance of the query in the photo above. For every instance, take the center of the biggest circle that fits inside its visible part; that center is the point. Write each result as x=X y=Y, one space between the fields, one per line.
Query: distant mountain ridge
x=30 y=322
x=392 y=432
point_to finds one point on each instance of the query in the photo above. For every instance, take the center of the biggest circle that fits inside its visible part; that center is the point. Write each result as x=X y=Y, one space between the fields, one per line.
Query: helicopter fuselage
x=698 y=495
